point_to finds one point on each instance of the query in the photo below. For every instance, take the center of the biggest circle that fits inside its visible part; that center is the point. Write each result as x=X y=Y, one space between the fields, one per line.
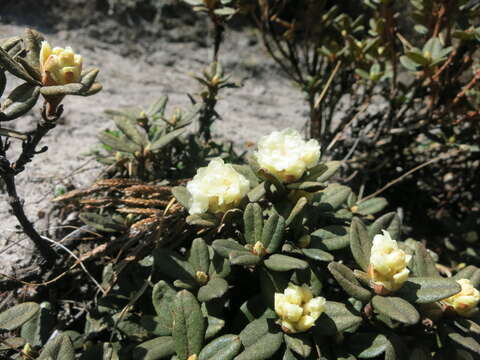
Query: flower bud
x=259 y=249
x=59 y=66
x=286 y=155
x=297 y=308
x=202 y=277
x=217 y=188
x=388 y=263
x=465 y=302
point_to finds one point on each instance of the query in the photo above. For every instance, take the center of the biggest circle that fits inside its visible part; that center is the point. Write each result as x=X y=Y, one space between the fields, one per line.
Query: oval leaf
x=397 y=309
x=360 y=243
x=278 y=262
x=188 y=325
x=225 y=347
x=17 y=315
x=423 y=290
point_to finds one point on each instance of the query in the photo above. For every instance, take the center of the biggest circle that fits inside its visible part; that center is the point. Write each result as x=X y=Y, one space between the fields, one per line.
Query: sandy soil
x=266 y=102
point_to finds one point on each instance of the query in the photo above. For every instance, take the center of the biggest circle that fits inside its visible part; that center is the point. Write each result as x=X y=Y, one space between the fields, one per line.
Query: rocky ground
x=136 y=67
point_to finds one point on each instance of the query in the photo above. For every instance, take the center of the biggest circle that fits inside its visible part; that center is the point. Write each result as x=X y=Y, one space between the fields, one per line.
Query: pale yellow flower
x=59 y=66
x=286 y=155
x=216 y=188
x=465 y=302
x=388 y=263
x=297 y=308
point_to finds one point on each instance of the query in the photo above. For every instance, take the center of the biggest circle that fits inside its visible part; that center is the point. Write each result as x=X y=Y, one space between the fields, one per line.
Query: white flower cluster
x=298 y=309
x=217 y=188
x=286 y=155
x=465 y=302
x=59 y=66
x=388 y=263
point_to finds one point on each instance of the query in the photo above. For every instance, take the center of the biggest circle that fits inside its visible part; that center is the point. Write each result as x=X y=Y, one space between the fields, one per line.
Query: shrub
x=294 y=269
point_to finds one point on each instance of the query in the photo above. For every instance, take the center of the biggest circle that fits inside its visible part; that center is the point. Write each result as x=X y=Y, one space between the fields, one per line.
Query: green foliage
x=365 y=69
x=209 y=286
x=153 y=145
x=213 y=297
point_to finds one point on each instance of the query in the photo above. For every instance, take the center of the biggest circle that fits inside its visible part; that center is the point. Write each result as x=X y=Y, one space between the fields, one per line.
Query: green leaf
x=368 y=345
x=389 y=222
x=278 y=262
x=19 y=102
x=62 y=90
x=310 y=186
x=214 y=326
x=270 y=283
x=168 y=263
x=92 y=90
x=347 y=280
x=225 y=347
x=255 y=308
x=467 y=325
x=38 y=329
x=248 y=173
x=88 y=78
x=417 y=58
x=14 y=68
x=205 y=219
x=370 y=206
x=299 y=344
x=129 y=129
x=33 y=40
x=272 y=234
x=396 y=308
x=163 y=296
x=261 y=340
x=408 y=63
x=424 y=290
x=214 y=289
x=467 y=342
x=297 y=210
x=336 y=318
x=158 y=107
x=182 y=195
x=422 y=263
x=165 y=139
x=318 y=255
x=118 y=143
x=188 y=325
x=332 y=197
x=12 y=343
x=154 y=349
x=199 y=256
x=433 y=46
x=131 y=326
x=253 y=222
x=360 y=243
x=332 y=168
x=257 y=192
x=244 y=259
x=226 y=247
x=471 y=273
x=17 y=315
x=332 y=237
x=58 y=348
x=226 y=11
x=158 y=325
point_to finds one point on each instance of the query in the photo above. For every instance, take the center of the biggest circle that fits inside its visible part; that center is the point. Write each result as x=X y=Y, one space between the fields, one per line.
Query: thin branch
x=402 y=177
x=327 y=85
x=79 y=261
